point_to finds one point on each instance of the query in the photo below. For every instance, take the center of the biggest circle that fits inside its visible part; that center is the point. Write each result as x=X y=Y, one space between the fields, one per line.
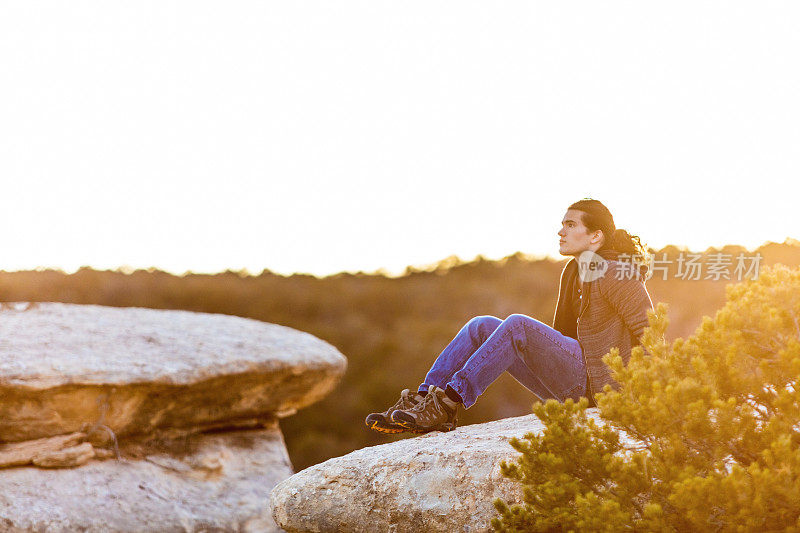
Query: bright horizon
x=401 y=270
x=320 y=137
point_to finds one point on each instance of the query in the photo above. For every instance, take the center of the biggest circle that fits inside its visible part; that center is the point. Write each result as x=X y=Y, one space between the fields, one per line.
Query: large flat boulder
x=437 y=482
x=65 y=367
x=211 y=482
x=440 y=482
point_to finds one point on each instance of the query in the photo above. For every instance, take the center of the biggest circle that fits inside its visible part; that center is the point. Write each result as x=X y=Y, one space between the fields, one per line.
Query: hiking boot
x=382 y=422
x=436 y=412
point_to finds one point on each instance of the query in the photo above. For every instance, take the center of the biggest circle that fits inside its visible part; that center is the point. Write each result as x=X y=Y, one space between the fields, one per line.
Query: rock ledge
x=134 y=370
x=438 y=482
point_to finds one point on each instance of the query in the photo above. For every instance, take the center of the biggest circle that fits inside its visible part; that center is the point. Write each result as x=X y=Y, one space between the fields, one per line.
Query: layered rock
x=135 y=370
x=121 y=419
x=207 y=482
x=51 y=452
x=438 y=482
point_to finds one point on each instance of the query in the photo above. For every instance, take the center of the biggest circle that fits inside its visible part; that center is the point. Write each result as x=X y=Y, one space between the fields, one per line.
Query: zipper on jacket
x=589 y=393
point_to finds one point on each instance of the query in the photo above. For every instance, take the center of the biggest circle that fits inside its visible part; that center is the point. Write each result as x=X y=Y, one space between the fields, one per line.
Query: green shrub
x=702 y=436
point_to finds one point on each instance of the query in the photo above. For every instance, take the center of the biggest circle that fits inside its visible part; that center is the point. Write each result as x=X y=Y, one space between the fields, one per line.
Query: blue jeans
x=546 y=362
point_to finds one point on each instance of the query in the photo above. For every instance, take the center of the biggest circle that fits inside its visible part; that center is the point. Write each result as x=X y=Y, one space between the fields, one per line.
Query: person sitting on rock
x=602 y=304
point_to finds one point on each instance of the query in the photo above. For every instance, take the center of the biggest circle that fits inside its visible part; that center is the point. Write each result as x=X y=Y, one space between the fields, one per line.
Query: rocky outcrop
x=206 y=482
x=438 y=482
x=128 y=419
x=135 y=370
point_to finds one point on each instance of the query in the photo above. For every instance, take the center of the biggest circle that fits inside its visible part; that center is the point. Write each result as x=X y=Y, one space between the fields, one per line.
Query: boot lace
x=404 y=400
x=431 y=397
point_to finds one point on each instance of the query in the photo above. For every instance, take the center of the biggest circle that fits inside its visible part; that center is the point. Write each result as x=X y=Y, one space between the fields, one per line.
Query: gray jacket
x=613 y=313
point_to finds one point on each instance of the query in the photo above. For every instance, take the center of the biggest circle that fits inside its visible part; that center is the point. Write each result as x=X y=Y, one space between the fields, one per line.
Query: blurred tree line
x=390 y=329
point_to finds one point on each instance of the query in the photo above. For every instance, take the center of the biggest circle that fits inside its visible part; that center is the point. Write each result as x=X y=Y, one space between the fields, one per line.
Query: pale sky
x=338 y=135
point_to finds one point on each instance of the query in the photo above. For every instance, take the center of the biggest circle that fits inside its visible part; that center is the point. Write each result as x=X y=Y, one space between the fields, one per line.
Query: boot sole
x=376 y=426
x=410 y=426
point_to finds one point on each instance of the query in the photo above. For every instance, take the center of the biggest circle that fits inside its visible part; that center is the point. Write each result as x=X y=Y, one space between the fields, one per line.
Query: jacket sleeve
x=629 y=299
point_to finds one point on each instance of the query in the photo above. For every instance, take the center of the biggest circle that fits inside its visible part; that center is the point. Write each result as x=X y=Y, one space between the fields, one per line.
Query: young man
x=602 y=304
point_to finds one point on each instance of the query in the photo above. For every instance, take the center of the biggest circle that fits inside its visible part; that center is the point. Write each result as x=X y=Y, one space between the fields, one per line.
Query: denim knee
x=487 y=323
x=515 y=319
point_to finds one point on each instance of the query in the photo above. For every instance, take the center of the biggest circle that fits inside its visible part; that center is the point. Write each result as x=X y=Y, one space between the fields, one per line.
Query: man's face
x=575 y=238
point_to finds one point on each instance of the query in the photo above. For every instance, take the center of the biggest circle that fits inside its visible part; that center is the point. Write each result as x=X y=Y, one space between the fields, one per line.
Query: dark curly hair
x=596 y=216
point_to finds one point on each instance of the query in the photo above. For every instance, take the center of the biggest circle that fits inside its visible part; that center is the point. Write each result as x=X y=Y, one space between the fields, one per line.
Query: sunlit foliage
x=713 y=423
